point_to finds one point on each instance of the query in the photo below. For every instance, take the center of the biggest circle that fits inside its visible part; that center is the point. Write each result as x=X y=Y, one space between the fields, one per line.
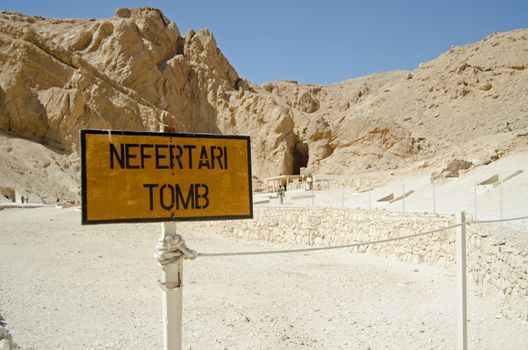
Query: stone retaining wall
x=496 y=261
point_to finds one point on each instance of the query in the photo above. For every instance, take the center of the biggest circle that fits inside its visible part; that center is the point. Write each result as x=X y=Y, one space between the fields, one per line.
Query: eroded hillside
x=136 y=71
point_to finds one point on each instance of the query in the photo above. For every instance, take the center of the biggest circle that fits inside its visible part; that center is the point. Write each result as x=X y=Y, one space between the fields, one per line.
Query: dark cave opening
x=300 y=157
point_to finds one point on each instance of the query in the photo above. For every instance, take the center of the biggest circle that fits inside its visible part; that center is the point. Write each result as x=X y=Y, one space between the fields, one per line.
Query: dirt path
x=63 y=286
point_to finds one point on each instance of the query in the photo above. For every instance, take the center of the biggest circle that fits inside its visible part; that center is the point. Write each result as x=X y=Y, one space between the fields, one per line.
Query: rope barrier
x=497 y=220
x=301 y=250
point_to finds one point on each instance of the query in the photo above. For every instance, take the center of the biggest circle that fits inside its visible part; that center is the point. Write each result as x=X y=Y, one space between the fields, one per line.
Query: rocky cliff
x=136 y=71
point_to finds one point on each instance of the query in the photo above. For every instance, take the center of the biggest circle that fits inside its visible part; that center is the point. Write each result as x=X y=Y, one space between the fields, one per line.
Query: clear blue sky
x=317 y=41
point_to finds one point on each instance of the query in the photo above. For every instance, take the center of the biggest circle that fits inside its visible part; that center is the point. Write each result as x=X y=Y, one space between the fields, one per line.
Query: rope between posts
x=497 y=220
x=301 y=250
x=287 y=251
x=172 y=247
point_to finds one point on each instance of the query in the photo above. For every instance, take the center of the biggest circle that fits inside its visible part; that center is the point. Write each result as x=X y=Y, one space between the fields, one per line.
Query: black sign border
x=84 y=198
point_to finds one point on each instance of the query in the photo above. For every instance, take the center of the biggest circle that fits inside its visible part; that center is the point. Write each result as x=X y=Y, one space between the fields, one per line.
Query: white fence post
x=172 y=297
x=403 y=201
x=461 y=281
x=343 y=194
x=475 y=204
x=501 y=201
x=434 y=199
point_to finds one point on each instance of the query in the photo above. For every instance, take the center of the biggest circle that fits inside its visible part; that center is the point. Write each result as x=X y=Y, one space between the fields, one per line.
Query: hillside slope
x=136 y=71
x=454 y=106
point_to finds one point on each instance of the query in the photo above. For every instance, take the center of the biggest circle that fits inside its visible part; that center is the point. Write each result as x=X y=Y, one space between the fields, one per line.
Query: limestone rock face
x=136 y=71
x=465 y=104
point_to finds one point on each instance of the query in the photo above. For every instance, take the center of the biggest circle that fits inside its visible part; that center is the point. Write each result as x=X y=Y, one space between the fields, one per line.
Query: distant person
x=309 y=181
x=27 y=198
x=57 y=201
x=23 y=199
x=280 y=193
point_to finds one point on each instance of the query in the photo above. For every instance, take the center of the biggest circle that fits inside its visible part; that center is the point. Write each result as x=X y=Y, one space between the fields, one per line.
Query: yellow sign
x=147 y=176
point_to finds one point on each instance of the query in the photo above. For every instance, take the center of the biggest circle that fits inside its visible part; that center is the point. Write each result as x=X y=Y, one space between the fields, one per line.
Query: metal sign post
x=172 y=295
x=130 y=176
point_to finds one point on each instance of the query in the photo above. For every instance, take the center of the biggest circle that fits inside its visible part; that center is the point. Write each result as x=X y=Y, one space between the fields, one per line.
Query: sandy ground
x=66 y=286
x=450 y=195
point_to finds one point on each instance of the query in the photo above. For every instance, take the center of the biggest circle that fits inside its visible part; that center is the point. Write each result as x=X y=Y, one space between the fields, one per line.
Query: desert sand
x=66 y=286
